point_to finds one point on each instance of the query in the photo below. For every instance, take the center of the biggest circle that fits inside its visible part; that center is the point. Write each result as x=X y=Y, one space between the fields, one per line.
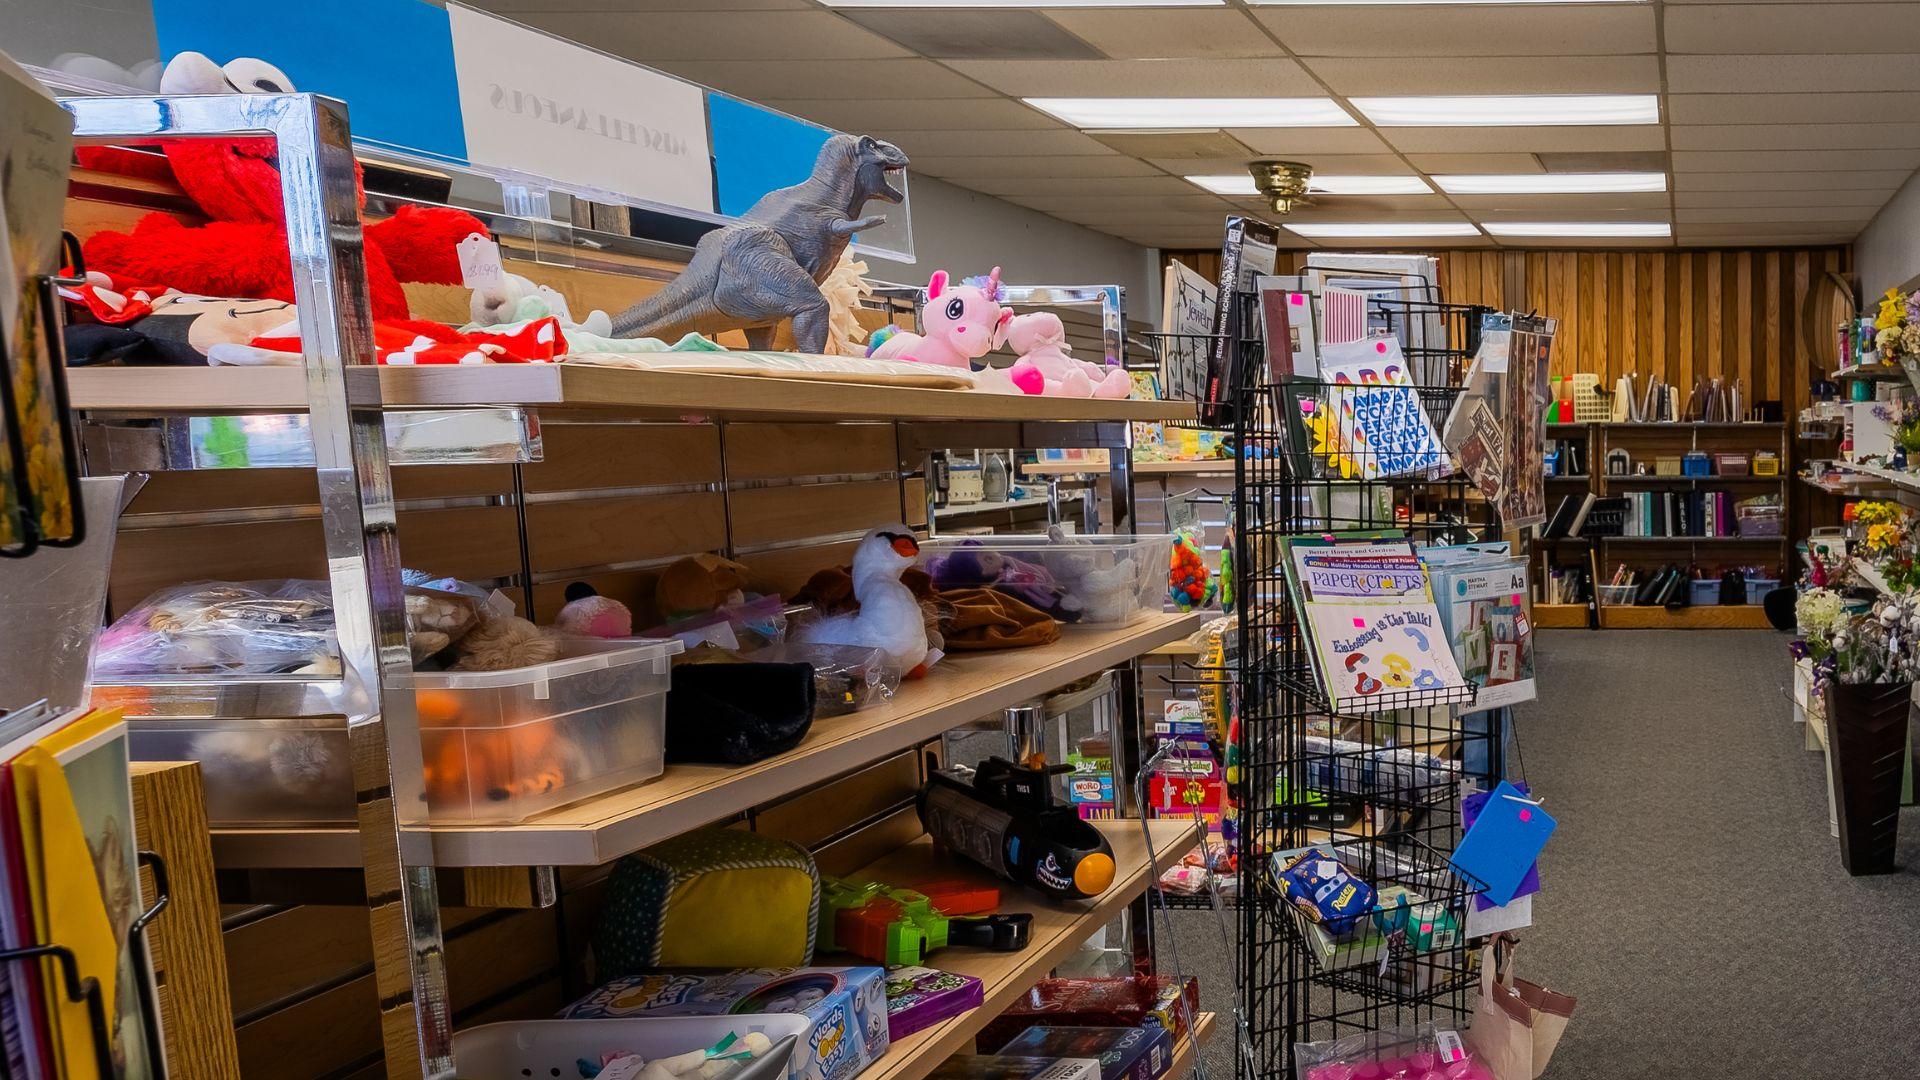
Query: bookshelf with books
x=1704 y=500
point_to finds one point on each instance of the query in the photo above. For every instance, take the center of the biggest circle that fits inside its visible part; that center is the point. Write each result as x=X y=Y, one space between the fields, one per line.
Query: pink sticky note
x=1515 y=601
x=1380 y=347
x=1359 y=624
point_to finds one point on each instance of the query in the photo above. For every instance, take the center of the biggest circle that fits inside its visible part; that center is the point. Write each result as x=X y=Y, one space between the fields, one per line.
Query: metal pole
x=357 y=513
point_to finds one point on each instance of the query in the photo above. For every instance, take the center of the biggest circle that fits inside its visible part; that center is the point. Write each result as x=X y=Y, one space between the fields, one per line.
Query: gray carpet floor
x=1693 y=898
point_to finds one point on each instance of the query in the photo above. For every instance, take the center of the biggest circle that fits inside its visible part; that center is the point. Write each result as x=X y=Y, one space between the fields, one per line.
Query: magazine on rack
x=1251 y=251
x=1287 y=327
x=1375 y=638
x=1187 y=305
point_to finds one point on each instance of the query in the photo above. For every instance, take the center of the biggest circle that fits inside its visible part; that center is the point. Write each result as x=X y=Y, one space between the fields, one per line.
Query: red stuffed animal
x=242 y=250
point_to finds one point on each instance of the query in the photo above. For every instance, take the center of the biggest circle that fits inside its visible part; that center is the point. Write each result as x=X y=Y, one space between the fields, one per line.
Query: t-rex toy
x=768 y=266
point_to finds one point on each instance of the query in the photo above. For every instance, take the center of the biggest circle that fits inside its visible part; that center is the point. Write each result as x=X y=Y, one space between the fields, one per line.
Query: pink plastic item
x=963 y=323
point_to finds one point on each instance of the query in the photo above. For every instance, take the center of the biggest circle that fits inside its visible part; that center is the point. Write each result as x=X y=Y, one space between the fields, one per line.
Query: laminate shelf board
x=1776 y=540
x=1704 y=616
x=1222 y=466
x=1058 y=929
x=962 y=688
x=1629 y=481
x=1871 y=574
x=670 y=393
x=1187 y=1048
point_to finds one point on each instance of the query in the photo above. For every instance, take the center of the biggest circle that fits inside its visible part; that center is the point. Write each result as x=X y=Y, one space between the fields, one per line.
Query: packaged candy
x=1124 y=1053
x=1324 y=891
x=1096 y=1002
x=920 y=997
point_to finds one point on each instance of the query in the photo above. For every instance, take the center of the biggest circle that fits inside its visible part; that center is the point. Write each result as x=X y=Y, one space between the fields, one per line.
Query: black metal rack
x=1312 y=777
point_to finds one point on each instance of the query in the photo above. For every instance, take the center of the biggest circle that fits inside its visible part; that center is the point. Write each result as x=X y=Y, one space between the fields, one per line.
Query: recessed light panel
x=1367 y=3
x=1242 y=185
x=1374 y=230
x=1579 y=228
x=1518 y=110
x=1552 y=183
x=1148 y=114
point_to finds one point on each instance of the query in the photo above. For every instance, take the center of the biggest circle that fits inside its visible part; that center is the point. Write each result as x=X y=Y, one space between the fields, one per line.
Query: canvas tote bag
x=1516 y=1024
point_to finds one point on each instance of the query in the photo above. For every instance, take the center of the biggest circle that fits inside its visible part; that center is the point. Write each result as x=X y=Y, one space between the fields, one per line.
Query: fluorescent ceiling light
x=1242 y=184
x=1578 y=228
x=1171 y=113
x=1520 y=110
x=1376 y=229
x=1552 y=183
x=1024 y=3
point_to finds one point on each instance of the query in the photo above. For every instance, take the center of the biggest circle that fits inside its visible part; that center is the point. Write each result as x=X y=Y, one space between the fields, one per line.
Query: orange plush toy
x=242 y=250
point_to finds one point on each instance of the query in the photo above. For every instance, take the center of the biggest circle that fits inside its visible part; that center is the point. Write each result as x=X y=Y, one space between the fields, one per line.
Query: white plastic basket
x=543 y=1049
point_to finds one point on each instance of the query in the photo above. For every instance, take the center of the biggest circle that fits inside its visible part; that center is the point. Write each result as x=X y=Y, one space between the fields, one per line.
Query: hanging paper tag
x=1449 y=1046
x=480 y=267
x=556 y=304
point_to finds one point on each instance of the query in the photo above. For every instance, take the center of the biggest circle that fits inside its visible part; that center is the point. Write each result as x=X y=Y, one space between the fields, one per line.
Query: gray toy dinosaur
x=768 y=266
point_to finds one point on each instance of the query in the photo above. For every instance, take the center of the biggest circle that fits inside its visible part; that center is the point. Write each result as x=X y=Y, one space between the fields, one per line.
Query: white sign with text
x=579 y=117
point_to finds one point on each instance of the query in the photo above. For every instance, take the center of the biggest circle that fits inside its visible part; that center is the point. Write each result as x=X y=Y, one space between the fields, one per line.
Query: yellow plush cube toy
x=711 y=898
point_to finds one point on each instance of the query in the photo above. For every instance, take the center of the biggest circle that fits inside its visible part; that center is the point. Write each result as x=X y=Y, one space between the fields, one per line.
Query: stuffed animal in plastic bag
x=963 y=322
x=242 y=250
x=1102 y=585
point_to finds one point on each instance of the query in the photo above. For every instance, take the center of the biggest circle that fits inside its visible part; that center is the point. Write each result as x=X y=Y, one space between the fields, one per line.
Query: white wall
x=1888 y=252
x=964 y=232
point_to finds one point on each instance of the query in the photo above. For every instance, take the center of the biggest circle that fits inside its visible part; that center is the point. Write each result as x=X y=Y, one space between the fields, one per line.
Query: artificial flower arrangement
x=1904 y=419
x=1896 y=329
x=1881 y=525
x=1879 y=645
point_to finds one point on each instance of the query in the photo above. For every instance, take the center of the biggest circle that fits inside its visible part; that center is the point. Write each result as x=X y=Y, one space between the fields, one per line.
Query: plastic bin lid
x=578 y=655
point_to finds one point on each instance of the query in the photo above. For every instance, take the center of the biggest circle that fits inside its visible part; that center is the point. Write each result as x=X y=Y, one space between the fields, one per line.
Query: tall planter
x=1867 y=735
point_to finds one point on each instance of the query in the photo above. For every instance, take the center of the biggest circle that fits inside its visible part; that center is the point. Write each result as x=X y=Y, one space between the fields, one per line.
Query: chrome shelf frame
x=349 y=437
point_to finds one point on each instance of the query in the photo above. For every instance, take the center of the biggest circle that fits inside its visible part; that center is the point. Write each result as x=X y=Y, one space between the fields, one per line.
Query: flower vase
x=1867 y=736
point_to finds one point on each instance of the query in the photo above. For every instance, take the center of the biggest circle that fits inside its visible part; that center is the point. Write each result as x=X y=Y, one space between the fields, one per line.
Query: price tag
x=556 y=304
x=480 y=267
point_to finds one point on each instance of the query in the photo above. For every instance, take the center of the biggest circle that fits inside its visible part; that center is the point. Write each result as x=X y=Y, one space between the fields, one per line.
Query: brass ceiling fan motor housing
x=1282 y=183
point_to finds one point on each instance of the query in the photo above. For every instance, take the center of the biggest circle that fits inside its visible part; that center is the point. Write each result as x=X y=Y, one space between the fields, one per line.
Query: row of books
x=69 y=877
x=1680 y=513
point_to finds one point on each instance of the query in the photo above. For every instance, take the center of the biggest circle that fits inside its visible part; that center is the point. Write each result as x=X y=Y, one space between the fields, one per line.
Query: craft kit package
x=1124 y=1053
x=1097 y=580
x=920 y=997
x=711 y=898
x=516 y=1049
x=1422 y=1052
x=1096 y=1002
x=847 y=1007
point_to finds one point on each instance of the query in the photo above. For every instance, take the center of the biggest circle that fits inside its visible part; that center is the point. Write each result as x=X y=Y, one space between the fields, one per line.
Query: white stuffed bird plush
x=889 y=617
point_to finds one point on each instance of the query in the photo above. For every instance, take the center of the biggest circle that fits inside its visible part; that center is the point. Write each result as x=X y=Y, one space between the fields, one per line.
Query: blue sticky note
x=1504 y=842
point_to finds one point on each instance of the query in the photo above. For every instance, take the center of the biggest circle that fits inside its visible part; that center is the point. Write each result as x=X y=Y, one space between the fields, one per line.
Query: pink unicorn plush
x=963 y=322
x=1045 y=367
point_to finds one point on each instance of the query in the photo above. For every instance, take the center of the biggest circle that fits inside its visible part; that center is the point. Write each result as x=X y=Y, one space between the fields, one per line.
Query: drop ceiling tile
x=716 y=35
x=1477 y=75
x=1865 y=198
x=1120 y=205
x=1584 y=243
x=1330 y=164
x=1110 y=185
x=1145 y=219
x=1599 y=29
x=1467 y=140
x=1810 y=74
x=1842 y=29
x=1763 y=180
x=962 y=169
x=1813 y=217
x=918 y=114
x=1142 y=78
x=1185 y=144
x=975 y=34
x=1764 y=161
x=1773 y=232
x=1060 y=141
x=1287 y=142
x=762 y=80
x=1791 y=108
x=1475 y=163
x=1349 y=210
x=1546 y=207
x=1147 y=33
x=1796 y=136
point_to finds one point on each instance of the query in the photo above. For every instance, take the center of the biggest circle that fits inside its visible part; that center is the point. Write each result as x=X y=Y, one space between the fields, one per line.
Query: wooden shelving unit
x=1188 y=1049
x=1645 y=441
x=1058 y=929
x=961 y=688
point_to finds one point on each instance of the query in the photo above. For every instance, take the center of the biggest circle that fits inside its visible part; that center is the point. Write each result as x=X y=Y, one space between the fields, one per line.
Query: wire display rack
x=1379 y=791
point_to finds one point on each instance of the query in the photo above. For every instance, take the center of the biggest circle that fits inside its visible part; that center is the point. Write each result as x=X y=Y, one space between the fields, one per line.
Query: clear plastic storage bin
x=505 y=745
x=258 y=772
x=1759 y=587
x=1090 y=580
x=1617 y=595
x=1705 y=592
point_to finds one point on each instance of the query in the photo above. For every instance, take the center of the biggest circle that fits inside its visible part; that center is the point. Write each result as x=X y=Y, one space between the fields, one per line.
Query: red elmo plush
x=242 y=250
